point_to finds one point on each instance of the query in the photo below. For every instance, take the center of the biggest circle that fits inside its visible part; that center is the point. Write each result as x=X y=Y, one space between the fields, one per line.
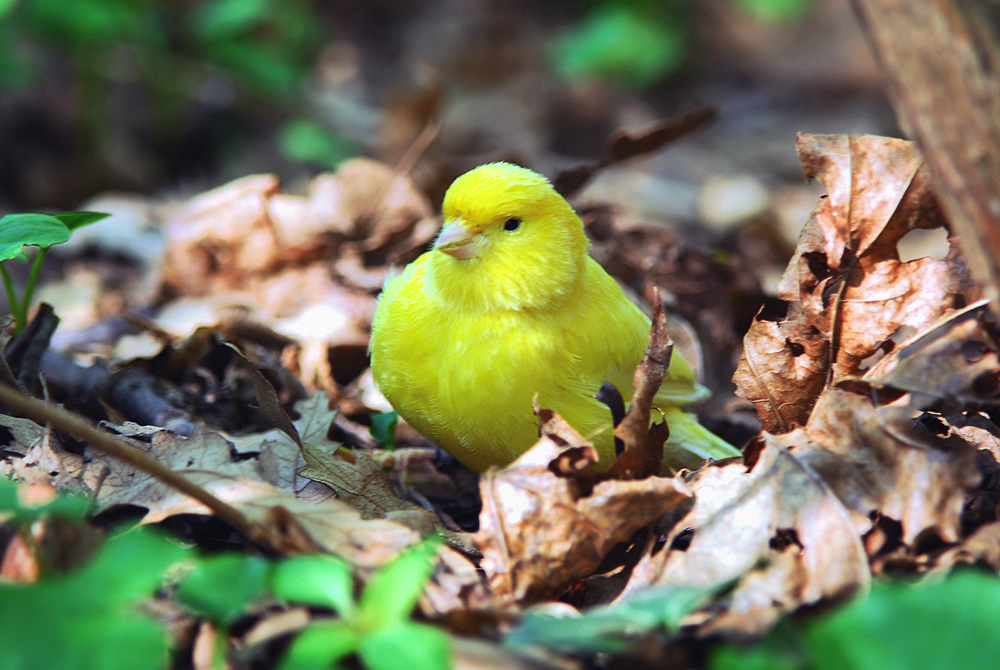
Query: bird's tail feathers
x=690 y=443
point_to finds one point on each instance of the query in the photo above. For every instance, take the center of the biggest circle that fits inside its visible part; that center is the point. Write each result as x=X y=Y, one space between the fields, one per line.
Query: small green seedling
x=40 y=230
x=376 y=627
x=222 y=588
x=383 y=429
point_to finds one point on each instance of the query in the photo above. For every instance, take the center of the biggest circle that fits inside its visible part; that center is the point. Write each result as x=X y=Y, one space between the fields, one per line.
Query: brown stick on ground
x=43 y=412
x=941 y=60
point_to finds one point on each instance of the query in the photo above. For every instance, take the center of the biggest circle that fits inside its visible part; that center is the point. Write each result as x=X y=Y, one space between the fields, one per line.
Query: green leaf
x=901 y=626
x=96 y=22
x=393 y=591
x=69 y=507
x=221 y=587
x=775 y=11
x=610 y=628
x=306 y=141
x=320 y=580
x=89 y=619
x=409 y=645
x=619 y=44
x=18 y=230
x=320 y=645
x=780 y=650
x=897 y=627
x=74 y=220
x=222 y=18
x=383 y=429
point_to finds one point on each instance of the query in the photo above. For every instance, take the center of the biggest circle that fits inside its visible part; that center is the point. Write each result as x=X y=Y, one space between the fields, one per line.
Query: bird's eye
x=512 y=224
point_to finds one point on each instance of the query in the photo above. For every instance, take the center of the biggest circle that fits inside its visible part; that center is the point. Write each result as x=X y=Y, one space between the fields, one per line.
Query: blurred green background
x=175 y=97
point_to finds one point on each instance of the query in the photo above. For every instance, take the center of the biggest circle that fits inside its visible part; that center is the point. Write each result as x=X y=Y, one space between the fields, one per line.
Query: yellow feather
x=509 y=305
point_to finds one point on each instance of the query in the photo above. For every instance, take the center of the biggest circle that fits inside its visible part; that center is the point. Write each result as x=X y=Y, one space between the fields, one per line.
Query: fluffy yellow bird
x=509 y=304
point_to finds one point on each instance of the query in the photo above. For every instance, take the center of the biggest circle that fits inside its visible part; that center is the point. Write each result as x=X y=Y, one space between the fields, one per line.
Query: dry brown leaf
x=456 y=589
x=847 y=293
x=247 y=246
x=777 y=532
x=43 y=461
x=225 y=231
x=333 y=525
x=980 y=548
x=909 y=474
x=540 y=531
x=954 y=361
x=904 y=475
x=203 y=457
x=352 y=474
x=783 y=369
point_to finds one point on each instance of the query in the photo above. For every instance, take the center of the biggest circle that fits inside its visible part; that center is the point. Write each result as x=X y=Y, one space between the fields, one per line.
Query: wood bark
x=941 y=60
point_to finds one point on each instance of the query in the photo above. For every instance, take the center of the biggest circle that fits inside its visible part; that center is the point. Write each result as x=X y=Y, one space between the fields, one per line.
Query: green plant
x=612 y=628
x=220 y=588
x=775 y=11
x=629 y=43
x=40 y=230
x=944 y=624
x=307 y=141
x=376 y=626
x=87 y=618
x=383 y=428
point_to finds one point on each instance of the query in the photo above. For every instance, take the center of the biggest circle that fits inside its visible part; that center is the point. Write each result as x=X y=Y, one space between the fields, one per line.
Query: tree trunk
x=941 y=60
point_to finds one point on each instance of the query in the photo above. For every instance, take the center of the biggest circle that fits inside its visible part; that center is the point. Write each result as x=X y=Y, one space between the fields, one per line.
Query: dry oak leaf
x=352 y=474
x=36 y=456
x=907 y=473
x=544 y=524
x=776 y=533
x=332 y=525
x=203 y=458
x=247 y=228
x=847 y=291
x=899 y=471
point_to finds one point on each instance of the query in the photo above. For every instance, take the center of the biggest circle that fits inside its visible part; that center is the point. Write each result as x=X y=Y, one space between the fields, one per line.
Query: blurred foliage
x=632 y=43
x=196 y=77
x=307 y=141
x=20 y=514
x=87 y=618
x=635 y=43
x=613 y=628
x=221 y=587
x=944 y=624
x=775 y=11
x=268 y=48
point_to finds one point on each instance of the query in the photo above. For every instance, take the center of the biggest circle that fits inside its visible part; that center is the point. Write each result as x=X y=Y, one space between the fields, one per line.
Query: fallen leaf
x=333 y=525
x=777 y=533
x=846 y=291
x=545 y=524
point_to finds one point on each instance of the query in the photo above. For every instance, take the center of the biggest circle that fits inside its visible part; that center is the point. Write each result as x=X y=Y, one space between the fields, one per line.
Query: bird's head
x=510 y=241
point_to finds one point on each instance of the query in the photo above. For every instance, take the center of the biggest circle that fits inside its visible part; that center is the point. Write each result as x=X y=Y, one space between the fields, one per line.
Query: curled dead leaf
x=846 y=292
x=539 y=530
x=777 y=533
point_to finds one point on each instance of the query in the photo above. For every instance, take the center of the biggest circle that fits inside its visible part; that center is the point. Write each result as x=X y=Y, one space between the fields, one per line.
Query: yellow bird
x=509 y=304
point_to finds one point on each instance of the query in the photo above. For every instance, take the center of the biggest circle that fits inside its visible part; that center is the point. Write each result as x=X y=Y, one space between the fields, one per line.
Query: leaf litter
x=873 y=380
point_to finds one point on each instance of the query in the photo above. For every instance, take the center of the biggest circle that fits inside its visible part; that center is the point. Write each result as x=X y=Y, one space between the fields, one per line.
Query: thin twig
x=44 y=412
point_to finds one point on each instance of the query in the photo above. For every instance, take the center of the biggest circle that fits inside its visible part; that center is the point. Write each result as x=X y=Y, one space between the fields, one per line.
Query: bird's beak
x=458 y=241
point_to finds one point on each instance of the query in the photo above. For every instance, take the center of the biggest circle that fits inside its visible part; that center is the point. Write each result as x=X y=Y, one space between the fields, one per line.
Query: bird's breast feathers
x=467 y=378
